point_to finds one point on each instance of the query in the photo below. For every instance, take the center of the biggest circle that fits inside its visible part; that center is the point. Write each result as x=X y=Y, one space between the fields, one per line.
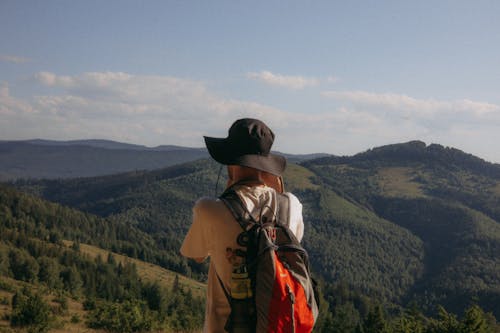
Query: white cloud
x=399 y=102
x=332 y=79
x=401 y=117
x=143 y=109
x=156 y=110
x=10 y=105
x=52 y=80
x=14 y=59
x=286 y=81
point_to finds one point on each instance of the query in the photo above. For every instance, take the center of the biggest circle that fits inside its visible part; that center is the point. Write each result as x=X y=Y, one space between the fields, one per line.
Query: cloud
x=10 y=105
x=332 y=79
x=52 y=80
x=134 y=108
x=14 y=59
x=154 y=110
x=398 y=117
x=286 y=81
x=399 y=102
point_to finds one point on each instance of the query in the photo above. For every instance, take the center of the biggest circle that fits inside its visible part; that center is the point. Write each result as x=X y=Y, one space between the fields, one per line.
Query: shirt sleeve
x=197 y=242
x=296 y=221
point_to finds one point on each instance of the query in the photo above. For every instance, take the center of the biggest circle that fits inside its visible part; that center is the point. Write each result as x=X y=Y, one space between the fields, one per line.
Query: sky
x=337 y=77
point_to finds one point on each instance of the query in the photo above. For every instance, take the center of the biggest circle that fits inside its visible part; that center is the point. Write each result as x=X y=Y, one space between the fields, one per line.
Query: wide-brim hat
x=248 y=144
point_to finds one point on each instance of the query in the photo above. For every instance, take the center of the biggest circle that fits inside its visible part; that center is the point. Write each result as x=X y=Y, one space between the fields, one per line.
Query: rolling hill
x=85 y=158
x=48 y=159
x=51 y=279
x=402 y=223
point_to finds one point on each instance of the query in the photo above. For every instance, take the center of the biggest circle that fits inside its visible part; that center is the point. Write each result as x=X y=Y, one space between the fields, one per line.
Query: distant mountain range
x=88 y=158
x=407 y=223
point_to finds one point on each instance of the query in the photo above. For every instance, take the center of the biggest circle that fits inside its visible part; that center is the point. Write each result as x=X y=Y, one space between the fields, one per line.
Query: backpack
x=281 y=295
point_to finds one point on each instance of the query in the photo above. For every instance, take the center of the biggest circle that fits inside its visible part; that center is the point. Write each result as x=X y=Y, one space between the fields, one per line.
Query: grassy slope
x=63 y=324
x=147 y=271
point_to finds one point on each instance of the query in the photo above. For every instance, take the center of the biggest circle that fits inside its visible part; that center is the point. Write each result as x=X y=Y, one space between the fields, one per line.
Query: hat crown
x=251 y=136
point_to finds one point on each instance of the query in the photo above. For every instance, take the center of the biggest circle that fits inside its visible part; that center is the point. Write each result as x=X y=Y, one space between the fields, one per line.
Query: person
x=256 y=175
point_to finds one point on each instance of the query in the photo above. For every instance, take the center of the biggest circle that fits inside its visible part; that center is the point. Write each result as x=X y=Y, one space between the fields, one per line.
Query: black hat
x=248 y=144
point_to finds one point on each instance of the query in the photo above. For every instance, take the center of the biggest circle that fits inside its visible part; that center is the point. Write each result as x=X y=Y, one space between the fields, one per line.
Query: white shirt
x=214 y=230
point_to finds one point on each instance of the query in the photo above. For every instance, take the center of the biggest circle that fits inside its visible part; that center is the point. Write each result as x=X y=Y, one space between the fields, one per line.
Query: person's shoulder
x=208 y=205
x=292 y=197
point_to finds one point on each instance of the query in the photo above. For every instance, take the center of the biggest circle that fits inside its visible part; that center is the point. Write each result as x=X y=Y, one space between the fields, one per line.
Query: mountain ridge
x=53 y=159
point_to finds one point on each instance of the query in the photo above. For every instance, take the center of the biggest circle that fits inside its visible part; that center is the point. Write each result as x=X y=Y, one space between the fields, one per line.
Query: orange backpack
x=280 y=296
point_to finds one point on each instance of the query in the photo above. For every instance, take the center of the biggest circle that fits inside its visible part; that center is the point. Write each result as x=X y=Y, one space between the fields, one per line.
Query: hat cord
x=217 y=183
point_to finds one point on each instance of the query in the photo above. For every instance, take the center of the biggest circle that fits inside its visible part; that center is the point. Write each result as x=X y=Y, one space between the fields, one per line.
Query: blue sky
x=327 y=76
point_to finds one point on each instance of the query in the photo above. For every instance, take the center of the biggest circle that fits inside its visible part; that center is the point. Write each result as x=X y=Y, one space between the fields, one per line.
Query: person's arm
x=196 y=244
x=296 y=223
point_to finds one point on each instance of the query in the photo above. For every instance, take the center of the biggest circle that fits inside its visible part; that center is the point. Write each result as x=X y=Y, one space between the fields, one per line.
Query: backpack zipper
x=291 y=296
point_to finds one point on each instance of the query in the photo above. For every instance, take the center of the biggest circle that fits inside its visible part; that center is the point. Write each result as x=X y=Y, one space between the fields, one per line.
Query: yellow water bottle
x=241 y=287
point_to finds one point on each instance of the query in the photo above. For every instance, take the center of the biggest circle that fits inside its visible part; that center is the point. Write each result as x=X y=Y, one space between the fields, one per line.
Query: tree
x=411 y=321
x=155 y=297
x=23 y=266
x=4 y=262
x=375 y=321
x=345 y=319
x=49 y=272
x=72 y=279
x=474 y=321
x=446 y=323
x=30 y=310
x=126 y=317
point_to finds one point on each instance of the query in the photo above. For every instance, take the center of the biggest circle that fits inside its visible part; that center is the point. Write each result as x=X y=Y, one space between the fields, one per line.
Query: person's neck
x=249 y=182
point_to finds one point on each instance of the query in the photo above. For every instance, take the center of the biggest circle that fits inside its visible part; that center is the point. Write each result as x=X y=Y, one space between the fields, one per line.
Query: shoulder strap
x=233 y=202
x=283 y=215
x=223 y=288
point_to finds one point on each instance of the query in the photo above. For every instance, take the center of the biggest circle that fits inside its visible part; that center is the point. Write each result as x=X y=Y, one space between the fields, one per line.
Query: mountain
x=405 y=223
x=100 y=143
x=88 y=158
x=446 y=198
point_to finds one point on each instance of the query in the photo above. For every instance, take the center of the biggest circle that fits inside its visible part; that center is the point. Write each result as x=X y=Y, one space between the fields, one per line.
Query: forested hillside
x=446 y=198
x=404 y=226
x=39 y=269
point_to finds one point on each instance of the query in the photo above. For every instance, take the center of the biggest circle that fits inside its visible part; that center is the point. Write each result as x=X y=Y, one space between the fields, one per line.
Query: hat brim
x=221 y=150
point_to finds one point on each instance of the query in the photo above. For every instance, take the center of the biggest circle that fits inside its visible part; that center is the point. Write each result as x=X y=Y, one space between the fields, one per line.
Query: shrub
x=126 y=317
x=31 y=311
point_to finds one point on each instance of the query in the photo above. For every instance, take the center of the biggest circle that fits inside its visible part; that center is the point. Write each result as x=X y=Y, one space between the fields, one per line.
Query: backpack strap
x=224 y=288
x=283 y=215
x=233 y=202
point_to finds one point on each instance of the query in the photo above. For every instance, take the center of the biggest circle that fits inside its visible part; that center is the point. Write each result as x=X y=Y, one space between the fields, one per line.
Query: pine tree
x=346 y=318
x=446 y=323
x=411 y=321
x=474 y=321
x=375 y=321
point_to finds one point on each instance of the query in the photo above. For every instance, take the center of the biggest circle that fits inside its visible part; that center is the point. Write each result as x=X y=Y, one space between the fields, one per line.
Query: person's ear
x=281 y=185
x=230 y=176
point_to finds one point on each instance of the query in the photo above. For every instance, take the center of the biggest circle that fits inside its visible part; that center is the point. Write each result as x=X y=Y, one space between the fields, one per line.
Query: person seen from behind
x=255 y=175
